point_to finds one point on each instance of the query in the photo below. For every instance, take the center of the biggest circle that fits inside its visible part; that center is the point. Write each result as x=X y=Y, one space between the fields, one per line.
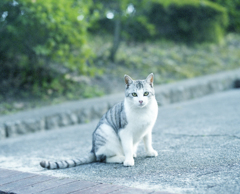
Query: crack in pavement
x=207 y=173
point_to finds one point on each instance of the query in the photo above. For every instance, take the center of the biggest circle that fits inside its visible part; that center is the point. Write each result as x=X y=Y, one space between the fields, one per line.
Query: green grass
x=169 y=61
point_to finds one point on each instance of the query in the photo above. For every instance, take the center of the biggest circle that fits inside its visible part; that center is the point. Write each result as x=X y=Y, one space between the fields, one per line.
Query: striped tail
x=69 y=163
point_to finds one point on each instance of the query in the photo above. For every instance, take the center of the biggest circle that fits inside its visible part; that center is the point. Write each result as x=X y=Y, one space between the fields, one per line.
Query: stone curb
x=70 y=113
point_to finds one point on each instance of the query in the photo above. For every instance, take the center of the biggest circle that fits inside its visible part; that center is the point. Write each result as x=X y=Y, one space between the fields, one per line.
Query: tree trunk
x=116 y=40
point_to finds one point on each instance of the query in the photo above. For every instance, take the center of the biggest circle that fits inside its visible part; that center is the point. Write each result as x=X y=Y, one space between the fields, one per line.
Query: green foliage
x=186 y=21
x=43 y=42
x=233 y=8
x=125 y=20
x=35 y=35
x=131 y=21
x=45 y=29
x=189 y=20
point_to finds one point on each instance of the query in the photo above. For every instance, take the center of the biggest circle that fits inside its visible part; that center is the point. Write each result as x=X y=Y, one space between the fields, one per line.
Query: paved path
x=198 y=144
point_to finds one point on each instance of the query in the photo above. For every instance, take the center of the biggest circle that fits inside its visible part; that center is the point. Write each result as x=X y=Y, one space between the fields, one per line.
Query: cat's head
x=139 y=92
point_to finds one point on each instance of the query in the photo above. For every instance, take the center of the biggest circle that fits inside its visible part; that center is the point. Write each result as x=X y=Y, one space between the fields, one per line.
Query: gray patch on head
x=139 y=85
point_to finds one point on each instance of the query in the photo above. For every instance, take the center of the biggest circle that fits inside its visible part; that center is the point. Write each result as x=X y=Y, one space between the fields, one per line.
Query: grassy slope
x=169 y=62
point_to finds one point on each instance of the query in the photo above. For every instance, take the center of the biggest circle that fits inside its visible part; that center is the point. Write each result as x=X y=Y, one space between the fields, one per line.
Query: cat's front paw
x=128 y=162
x=152 y=153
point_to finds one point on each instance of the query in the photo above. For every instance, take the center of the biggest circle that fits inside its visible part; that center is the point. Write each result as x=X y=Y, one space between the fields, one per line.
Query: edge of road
x=83 y=111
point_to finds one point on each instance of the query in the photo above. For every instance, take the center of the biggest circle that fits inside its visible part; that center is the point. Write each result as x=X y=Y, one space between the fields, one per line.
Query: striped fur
x=68 y=163
x=121 y=128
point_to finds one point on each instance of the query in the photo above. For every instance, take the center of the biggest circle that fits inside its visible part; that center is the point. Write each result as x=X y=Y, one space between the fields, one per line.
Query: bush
x=189 y=20
x=233 y=8
x=35 y=35
x=186 y=20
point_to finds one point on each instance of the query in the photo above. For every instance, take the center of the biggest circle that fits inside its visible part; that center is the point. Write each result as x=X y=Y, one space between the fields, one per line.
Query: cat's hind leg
x=115 y=159
x=107 y=146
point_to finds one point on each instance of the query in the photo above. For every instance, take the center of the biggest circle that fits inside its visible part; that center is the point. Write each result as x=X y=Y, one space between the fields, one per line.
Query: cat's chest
x=142 y=118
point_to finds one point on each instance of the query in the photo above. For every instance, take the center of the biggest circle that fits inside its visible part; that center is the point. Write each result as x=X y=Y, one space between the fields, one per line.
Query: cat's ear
x=149 y=79
x=128 y=80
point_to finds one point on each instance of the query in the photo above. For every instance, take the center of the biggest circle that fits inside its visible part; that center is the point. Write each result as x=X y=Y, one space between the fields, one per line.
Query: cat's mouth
x=141 y=105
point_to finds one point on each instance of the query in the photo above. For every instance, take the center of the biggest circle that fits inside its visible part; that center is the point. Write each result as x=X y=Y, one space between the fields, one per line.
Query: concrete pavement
x=198 y=143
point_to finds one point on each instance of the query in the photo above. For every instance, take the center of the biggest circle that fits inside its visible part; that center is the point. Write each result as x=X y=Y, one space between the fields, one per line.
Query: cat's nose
x=140 y=101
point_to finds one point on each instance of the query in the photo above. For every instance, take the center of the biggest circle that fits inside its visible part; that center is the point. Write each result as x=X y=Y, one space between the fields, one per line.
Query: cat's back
x=115 y=117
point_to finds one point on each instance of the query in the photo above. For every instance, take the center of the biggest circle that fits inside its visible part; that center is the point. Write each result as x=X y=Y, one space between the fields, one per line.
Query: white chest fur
x=140 y=120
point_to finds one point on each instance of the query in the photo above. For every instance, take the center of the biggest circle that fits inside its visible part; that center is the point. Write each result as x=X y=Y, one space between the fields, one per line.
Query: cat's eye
x=146 y=93
x=134 y=94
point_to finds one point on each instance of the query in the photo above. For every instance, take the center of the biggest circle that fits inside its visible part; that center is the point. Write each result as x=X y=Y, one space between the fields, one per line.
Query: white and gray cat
x=118 y=133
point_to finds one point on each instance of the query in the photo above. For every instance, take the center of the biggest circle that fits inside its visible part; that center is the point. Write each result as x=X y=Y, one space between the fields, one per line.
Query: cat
x=119 y=131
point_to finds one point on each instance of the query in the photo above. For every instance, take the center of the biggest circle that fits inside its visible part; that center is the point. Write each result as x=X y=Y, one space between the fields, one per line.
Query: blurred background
x=58 y=50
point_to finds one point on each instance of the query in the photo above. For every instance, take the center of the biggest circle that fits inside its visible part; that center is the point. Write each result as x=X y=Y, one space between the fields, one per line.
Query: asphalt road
x=198 y=143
